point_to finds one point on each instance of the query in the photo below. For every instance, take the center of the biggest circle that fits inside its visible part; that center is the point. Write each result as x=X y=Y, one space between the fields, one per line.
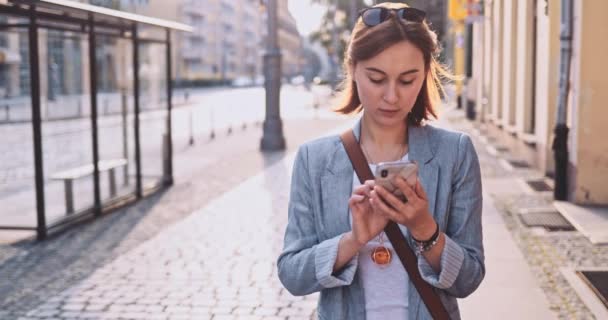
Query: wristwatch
x=426 y=245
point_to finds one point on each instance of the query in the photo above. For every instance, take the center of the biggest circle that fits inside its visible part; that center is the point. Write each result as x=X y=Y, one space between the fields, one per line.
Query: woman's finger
x=363 y=190
x=356 y=198
x=420 y=190
x=407 y=190
x=382 y=207
x=390 y=198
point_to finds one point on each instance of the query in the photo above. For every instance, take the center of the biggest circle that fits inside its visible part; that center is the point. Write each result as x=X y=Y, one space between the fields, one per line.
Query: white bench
x=68 y=176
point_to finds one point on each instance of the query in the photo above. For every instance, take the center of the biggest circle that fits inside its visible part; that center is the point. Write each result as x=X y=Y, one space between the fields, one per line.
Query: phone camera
x=384 y=173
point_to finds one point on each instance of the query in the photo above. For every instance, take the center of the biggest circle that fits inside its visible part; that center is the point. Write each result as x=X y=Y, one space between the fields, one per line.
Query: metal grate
x=550 y=220
x=539 y=185
x=598 y=282
x=519 y=164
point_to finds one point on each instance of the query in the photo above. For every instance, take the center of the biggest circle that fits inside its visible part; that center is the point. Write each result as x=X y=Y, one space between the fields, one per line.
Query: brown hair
x=367 y=42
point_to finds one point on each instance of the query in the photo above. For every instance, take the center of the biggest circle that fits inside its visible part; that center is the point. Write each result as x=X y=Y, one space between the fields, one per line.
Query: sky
x=308 y=16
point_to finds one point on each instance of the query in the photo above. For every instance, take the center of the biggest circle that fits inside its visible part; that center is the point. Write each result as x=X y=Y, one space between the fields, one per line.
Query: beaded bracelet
x=426 y=245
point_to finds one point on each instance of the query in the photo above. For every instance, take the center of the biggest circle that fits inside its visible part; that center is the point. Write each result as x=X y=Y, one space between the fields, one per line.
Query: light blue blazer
x=321 y=185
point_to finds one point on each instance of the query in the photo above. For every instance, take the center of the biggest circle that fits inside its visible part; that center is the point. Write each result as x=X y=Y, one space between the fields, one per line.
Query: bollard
x=212 y=135
x=125 y=140
x=165 y=157
x=8 y=114
x=191 y=141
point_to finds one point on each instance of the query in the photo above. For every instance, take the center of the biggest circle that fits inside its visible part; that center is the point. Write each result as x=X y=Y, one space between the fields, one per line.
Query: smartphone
x=386 y=172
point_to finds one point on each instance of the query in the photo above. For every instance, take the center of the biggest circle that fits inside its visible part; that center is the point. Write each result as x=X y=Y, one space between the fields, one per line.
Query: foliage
x=345 y=14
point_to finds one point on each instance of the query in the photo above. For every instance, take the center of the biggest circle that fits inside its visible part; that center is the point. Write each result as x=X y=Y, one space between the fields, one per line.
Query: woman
x=335 y=224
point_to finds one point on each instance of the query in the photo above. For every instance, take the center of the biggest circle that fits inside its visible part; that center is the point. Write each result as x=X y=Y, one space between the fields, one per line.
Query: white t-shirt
x=385 y=287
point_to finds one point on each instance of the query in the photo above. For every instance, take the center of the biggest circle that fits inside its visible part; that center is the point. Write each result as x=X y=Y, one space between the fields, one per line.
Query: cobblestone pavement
x=217 y=263
x=33 y=272
x=546 y=252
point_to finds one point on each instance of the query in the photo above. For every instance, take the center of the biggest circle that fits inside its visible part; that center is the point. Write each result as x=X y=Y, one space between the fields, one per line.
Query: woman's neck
x=383 y=137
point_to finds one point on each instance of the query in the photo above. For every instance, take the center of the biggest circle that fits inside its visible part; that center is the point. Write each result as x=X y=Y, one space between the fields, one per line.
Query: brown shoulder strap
x=405 y=253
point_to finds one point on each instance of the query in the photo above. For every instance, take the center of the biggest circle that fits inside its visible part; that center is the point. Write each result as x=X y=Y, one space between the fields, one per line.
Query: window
x=24 y=67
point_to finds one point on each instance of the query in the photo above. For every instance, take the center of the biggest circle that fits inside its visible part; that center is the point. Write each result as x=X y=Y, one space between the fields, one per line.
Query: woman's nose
x=390 y=95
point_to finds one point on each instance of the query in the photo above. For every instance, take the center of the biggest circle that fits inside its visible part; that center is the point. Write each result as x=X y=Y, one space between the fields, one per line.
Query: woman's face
x=388 y=84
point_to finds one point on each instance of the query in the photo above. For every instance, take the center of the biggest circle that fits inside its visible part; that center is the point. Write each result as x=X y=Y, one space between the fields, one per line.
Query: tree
x=345 y=15
x=347 y=12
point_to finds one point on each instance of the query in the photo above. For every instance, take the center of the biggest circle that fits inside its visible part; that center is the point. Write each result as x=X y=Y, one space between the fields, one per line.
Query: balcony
x=192 y=10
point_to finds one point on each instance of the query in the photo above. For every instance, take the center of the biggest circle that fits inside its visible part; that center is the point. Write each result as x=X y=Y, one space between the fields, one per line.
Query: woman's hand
x=366 y=222
x=414 y=213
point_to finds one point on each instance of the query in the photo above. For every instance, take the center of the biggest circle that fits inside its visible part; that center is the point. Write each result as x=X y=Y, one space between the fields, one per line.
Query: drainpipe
x=560 y=139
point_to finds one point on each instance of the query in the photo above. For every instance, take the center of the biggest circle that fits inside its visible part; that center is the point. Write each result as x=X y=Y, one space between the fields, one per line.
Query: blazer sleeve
x=305 y=265
x=462 y=261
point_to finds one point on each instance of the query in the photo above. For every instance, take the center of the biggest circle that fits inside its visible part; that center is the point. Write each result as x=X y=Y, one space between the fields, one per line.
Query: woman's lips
x=388 y=112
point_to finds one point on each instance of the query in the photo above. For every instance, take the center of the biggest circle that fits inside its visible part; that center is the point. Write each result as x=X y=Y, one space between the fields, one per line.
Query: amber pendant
x=381 y=255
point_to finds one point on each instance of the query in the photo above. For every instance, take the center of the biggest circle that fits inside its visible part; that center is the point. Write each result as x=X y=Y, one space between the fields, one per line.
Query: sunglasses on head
x=374 y=16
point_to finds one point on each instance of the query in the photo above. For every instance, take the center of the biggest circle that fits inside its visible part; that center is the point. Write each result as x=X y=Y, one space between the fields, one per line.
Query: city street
x=207 y=248
x=128 y=211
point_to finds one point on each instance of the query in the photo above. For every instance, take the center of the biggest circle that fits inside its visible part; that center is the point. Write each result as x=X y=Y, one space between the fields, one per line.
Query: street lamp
x=272 y=138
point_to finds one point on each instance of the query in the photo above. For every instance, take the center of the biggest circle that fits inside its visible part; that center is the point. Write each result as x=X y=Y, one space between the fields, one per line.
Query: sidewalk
x=509 y=290
x=219 y=263
x=553 y=256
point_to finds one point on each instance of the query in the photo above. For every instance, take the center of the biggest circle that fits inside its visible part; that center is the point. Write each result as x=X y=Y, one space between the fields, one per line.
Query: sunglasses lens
x=372 y=17
x=413 y=15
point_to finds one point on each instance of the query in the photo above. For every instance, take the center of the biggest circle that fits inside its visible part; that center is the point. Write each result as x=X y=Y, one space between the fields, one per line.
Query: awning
x=100 y=14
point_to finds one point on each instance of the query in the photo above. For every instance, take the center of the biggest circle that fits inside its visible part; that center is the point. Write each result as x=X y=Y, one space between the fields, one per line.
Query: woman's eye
x=376 y=80
x=406 y=82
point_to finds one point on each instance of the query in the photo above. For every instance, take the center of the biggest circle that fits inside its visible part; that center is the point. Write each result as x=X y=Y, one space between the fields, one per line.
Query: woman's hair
x=367 y=42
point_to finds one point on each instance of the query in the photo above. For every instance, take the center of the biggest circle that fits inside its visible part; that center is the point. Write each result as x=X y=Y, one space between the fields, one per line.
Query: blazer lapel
x=336 y=189
x=428 y=172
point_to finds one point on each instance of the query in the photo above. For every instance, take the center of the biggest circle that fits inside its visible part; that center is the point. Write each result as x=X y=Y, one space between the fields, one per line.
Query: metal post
x=335 y=43
x=560 y=140
x=93 y=80
x=191 y=140
x=112 y=182
x=138 y=182
x=125 y=140
x=272 y=138
x=353 y=13
x=68 y=188
x=469 y=106
x=169 y=176
x=37 y=123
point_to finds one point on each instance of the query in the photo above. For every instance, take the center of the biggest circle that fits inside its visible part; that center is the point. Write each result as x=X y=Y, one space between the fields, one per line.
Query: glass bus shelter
x=85 y=111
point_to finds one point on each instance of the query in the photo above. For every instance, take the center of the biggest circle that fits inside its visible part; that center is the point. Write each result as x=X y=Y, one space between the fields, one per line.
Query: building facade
x=228 y=42
x=229 y=38
x=290 y=42
x=515 y=86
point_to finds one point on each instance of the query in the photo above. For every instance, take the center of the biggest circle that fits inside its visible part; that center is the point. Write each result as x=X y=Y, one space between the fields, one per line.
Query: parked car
x=259 y=81
x=242 y=82
x=297 y=80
